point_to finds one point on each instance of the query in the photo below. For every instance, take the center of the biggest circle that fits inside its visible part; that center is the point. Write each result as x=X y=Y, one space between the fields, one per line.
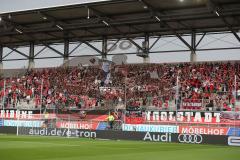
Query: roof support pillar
x=1 y=58
x=31 y=63
x=193 y=55
x=66 y=53
x=146 y=49
x=104 y=49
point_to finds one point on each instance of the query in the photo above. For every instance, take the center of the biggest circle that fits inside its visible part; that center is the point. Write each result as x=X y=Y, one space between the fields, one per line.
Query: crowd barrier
x=8 y=130
x=189 y=138
x=128 y=135
x=103 y=125
x=206 y=130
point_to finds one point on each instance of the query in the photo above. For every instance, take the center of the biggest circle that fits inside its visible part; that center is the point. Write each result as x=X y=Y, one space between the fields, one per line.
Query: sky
x=225 y=40
x=20 y=5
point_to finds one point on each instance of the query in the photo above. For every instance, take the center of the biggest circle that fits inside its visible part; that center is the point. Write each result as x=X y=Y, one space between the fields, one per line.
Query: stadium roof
x=119 y=19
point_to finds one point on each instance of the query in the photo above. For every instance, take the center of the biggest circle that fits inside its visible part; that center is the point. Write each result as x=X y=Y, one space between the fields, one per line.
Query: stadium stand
x=147 y=85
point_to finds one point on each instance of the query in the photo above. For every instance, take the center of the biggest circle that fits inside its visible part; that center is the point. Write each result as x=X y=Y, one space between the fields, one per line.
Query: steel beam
x=146 y=58
x=53 y=49
x=66 y=53
x=146 y=43
x=40 y=51
x=135 y=44
x=9 y=53
x=193 y=41
x=17 y=51
x=31 y=63
x=66 y=48
x=230 y=28
x=75 y=48
x=1 y=57
x=133 y=53
x=103 y=17
x=31 y=50
x=156 y=13
x=193 y=55
x=200 y=40
x=91 y=46
x=155 y=42
x=215 y=9
x=66 y=33
x=18 y=28
x=113 y=45
x=104 y=48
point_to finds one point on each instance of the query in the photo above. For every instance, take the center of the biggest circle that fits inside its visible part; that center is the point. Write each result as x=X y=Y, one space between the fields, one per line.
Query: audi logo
x=190 y=138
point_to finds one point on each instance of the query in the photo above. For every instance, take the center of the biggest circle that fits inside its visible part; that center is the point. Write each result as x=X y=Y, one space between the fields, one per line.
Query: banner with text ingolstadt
x=194 y=117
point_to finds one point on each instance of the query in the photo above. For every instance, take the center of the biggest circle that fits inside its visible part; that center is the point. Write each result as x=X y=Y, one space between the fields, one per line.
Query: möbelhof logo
x=157 y=137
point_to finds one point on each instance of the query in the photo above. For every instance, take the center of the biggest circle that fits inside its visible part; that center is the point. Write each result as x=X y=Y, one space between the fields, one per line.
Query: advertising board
x=126 y=135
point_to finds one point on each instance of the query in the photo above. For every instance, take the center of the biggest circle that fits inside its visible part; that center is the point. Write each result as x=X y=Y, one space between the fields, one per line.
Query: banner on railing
x=206 y=130
x=13 y=114
x=20 y=123
x=192 y=104
x=91 y=125
x=150 y=128
x=195 y=117
x=234 y=132
x=25 y=114
x=1 y=122
x=64 y=132
x=203 y=130
x=234 y=141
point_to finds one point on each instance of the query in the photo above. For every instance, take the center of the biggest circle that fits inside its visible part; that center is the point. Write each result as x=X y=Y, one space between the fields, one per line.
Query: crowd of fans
x=142 y=85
